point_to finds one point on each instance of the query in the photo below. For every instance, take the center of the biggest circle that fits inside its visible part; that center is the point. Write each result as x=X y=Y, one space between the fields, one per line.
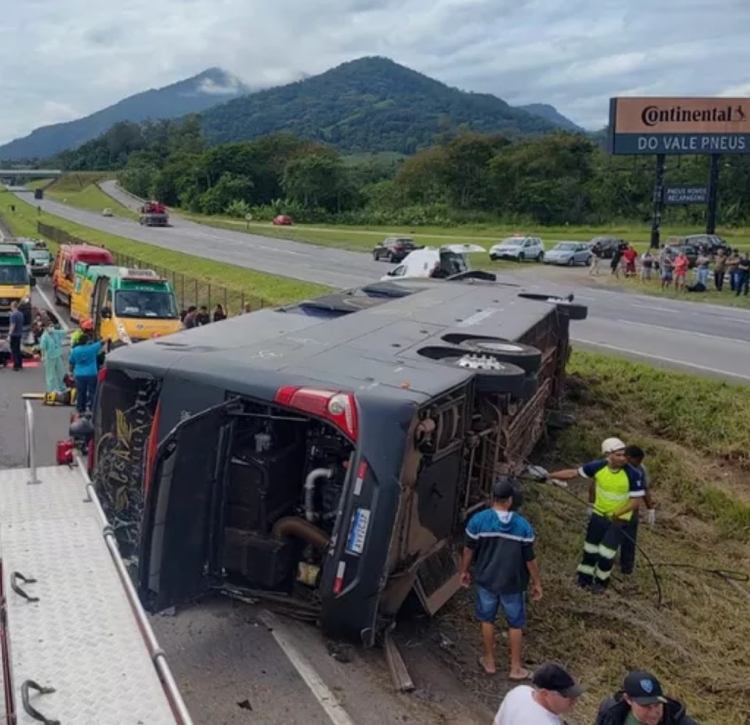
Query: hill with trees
x=188 y=96
x=371 y=104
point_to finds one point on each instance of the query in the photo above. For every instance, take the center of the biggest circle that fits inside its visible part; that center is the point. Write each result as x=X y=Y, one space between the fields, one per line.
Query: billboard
x=679 y=195
x=677 y=126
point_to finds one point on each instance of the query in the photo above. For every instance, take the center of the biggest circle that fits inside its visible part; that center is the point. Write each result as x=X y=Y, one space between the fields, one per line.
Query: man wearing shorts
x=502 y=544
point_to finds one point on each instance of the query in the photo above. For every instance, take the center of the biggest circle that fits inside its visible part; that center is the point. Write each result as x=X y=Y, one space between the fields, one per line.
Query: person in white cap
x=616 y=490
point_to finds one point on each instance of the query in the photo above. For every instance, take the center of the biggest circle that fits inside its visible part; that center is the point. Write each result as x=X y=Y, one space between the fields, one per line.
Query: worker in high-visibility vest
x=615 y=492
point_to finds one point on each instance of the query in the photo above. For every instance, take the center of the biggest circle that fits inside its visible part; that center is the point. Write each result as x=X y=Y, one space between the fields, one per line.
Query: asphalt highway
x=705 y=339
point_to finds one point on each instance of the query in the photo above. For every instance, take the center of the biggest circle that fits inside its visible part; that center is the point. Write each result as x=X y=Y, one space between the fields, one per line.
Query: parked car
x=393 y=249
x=713 y=242
x=605 y=247
x=436 y=262
x=282 y=220
x=518 y=248
x=107 y=212
x=569 y=253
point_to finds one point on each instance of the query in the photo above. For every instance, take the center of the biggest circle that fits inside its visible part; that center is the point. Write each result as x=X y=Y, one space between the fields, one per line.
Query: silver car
x=569 y=253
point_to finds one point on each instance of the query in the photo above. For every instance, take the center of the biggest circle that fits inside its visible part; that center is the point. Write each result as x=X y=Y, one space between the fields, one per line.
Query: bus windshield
x=14 y=274
x=140 y=304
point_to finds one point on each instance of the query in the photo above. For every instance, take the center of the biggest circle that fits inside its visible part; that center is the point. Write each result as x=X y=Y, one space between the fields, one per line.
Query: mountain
x=192 y=95
x=551 y=114
x=371 y=104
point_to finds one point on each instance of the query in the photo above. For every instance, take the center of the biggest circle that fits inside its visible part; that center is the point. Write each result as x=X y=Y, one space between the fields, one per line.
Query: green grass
x=80 y=190
x=363 y=238
x=697 y=442
x=194 y=278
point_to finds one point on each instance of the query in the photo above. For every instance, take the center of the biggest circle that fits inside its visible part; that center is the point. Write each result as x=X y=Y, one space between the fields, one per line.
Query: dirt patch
x=684 y=613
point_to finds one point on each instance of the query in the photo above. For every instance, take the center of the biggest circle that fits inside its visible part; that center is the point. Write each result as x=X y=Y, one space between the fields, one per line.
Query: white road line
x=65 y=326
x=657 y=309
x=319 y=689
x=675 y=330
x=661 y=358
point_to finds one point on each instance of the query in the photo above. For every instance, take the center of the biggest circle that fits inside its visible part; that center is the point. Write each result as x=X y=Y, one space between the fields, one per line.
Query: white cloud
x=60 y=57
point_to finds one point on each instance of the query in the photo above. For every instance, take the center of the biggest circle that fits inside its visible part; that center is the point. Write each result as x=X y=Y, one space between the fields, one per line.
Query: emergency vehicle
x=63 y=272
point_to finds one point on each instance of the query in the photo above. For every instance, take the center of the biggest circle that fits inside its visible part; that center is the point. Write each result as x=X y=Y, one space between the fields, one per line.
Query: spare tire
x=491 y=375
x=525 y=356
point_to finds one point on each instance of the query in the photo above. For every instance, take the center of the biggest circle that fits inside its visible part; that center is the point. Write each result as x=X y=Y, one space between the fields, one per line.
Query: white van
x=435 y=262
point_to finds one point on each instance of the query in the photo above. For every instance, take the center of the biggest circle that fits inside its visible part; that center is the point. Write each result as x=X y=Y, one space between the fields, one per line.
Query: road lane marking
x=328 y=701
x=682 y=331
x=651 y=308
x=661 y=358
x=65 y=326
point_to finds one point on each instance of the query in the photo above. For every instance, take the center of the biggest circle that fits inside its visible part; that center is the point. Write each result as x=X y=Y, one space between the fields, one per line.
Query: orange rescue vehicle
x=63 y=272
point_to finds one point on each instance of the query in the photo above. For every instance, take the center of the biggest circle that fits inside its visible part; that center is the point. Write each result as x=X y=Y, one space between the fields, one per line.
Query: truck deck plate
x=81 y=636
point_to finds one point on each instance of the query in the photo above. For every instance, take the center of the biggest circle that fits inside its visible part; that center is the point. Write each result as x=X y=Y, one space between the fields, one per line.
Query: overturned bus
x=324 y=455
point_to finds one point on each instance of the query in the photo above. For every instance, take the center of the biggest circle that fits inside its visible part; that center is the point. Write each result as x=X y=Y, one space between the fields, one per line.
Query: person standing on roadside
x=596 y=258
x=743 y=275
x=720 y=268
x=665 y=268
x=642 y=702
x=615 y=491
x=554 y=693
x=616 y=259
x=647 y=264
x=732 y=261
x=15 y=336
x=502 y=541
x=84 y=363
x=680 y=267
x=51 y=347
x=635 y=456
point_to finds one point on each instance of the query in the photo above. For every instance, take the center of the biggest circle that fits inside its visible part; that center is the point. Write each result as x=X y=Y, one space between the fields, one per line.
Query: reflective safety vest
x=613 y=488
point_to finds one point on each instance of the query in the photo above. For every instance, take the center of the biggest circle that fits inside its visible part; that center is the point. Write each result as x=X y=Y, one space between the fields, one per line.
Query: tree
x=314 y=180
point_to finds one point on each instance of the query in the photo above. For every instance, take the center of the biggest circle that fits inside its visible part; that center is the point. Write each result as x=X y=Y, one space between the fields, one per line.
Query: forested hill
x=371 y=104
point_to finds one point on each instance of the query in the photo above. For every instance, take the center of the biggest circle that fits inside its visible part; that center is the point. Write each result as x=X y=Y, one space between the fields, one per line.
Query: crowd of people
x=500 y=562
x=671 y=265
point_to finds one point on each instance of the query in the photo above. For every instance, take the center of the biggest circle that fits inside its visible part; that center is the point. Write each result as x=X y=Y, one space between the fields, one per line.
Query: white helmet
x=610 y=445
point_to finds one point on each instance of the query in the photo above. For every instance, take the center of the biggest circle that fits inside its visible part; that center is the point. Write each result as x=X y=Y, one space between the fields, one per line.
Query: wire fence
x=189 y=291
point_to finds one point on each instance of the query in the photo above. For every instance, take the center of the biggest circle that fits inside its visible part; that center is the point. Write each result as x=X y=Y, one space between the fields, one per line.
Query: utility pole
x=713 y=193
x=661 y=168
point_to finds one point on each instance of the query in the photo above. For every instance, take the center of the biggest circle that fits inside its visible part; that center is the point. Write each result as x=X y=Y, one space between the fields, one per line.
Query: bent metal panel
x=679 y=126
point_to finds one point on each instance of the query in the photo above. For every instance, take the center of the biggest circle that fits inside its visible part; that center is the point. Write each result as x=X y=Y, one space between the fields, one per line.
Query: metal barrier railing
x=30 y=448
x=156 y=653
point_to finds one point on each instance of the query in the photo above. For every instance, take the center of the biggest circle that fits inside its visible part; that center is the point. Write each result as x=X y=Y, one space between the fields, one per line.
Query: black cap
x=503 y=488
x=643 y=688
x=555 y=678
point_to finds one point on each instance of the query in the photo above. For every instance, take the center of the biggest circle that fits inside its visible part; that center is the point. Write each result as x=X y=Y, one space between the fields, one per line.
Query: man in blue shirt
x=502 y=544
x=15 y=335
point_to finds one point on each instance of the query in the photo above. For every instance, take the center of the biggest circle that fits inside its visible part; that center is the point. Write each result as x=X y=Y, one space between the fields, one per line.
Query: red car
x=282 y=220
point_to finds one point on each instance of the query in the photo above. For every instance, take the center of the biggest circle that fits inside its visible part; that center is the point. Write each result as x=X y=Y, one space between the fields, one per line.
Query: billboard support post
x=713 y=193
x=661 y=168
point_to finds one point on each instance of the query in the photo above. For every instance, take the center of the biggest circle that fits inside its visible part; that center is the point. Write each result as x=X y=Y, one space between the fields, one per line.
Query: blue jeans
x=85 y=391
x=488 y=605
x=703 y=276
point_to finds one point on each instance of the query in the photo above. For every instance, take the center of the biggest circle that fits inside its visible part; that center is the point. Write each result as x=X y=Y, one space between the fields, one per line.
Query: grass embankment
x=697 y=440
x=80 y=189
x=201 y=275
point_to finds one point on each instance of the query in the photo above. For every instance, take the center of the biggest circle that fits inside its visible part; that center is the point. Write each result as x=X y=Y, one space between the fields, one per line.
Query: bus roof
x=367 y=338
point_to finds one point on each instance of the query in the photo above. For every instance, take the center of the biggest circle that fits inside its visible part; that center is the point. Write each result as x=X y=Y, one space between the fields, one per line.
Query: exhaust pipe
x=295 y=526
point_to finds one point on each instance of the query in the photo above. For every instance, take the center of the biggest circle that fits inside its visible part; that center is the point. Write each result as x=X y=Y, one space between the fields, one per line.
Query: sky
x=64 y=59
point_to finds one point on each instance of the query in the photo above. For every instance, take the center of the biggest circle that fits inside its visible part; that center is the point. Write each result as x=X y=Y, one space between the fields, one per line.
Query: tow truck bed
x=81 y=637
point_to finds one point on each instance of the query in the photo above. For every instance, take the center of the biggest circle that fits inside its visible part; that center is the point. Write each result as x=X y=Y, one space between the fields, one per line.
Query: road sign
x=248 y=217
x=677 y=195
